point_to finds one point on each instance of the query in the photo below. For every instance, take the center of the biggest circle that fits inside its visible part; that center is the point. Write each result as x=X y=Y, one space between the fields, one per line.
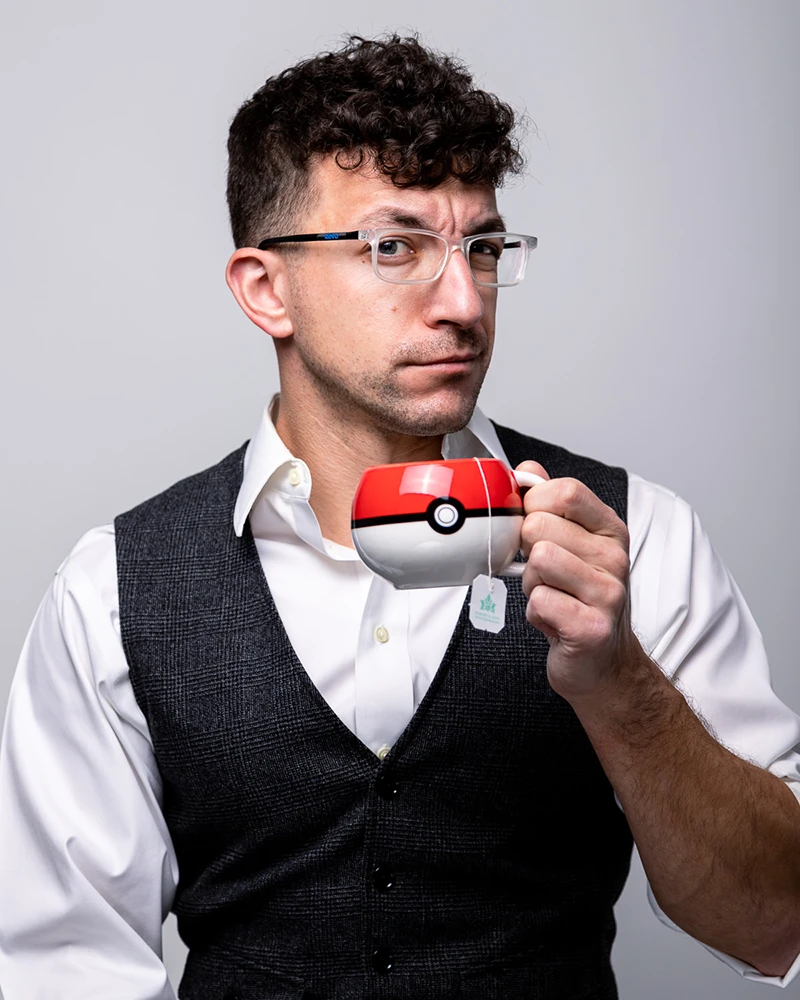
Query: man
x=347 y=791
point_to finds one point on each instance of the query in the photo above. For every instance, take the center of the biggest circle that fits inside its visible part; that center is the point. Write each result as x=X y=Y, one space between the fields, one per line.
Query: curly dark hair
x=414 y=113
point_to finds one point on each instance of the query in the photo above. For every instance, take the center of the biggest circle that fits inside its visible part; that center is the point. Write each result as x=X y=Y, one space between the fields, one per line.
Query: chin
x=429 y=418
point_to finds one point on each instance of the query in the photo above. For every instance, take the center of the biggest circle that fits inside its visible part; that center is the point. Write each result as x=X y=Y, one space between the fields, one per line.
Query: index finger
x=533 y=469
x=574 y=501
x=527 y=479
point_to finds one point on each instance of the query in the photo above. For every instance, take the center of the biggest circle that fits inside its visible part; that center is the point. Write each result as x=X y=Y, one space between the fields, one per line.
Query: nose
x=455 y=298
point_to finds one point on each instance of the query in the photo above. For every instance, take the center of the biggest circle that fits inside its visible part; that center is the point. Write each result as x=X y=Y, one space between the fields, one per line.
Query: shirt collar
x=268 y=461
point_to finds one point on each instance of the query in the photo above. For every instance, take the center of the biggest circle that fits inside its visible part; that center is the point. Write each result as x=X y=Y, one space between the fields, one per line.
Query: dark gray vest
x=480 y=860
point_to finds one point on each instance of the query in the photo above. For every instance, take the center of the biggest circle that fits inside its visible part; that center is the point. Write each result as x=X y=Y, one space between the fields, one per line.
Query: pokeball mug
x=440 y=524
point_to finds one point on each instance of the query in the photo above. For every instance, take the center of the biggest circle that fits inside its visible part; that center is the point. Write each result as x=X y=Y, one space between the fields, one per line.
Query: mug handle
x=527 y=478
x=523 y=479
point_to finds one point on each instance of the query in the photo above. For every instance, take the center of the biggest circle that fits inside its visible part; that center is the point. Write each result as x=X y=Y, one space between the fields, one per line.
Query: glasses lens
x=408 y=255
x=498 y=258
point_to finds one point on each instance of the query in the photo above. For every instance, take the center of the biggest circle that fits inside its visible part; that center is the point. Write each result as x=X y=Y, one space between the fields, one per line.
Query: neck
x=337 y=450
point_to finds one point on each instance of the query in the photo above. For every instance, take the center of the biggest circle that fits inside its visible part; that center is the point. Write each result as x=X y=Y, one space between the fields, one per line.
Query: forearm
x=719 y=837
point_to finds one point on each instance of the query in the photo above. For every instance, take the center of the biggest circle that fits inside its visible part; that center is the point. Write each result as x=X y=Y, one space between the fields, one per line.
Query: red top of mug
x=408 y=487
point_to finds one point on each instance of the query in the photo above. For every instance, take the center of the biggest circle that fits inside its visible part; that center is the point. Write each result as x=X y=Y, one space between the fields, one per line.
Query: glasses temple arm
x=308 y=238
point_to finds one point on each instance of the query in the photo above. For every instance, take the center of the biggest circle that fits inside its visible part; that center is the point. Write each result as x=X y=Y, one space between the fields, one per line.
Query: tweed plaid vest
x=479 y=860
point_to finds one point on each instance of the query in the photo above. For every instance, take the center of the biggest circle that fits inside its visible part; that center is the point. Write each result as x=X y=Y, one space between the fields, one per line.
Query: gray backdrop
x=658 y=329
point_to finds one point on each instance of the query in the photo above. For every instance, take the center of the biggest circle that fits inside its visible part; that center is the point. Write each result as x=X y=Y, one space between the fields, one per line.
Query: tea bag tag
x=487 y=606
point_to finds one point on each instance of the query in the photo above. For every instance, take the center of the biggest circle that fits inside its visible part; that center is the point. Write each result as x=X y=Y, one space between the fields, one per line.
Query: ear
x=259 y=284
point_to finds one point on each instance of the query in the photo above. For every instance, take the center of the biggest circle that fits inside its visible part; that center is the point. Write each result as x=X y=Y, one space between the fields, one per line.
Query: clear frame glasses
x=418 y=256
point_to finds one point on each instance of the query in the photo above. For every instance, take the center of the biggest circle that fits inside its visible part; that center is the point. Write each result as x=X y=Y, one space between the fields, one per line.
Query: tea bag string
x=489 y=523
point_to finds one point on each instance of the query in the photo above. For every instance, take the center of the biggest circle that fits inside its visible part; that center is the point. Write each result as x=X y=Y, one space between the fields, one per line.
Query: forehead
x=347 y=199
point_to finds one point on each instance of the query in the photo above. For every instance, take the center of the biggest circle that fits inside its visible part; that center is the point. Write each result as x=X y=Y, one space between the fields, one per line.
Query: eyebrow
x=398 y=217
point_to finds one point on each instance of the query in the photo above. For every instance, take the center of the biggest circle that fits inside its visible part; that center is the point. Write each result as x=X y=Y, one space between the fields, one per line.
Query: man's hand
x=576 y=582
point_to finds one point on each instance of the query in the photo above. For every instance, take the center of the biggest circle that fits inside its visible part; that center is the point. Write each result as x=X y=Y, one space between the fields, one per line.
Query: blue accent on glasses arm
x=308 y=238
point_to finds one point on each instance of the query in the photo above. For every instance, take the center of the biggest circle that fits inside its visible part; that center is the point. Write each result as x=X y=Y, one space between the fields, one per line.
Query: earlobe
x=257 y=279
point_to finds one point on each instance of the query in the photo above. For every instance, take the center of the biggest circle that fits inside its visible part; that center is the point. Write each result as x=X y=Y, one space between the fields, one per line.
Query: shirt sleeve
x=87 y=869
x=692 y=620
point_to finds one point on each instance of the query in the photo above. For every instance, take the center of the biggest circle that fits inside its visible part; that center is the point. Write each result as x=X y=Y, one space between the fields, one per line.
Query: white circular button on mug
x=446 y=515
x=381 y=634
x=295 y=476
x=384 y=750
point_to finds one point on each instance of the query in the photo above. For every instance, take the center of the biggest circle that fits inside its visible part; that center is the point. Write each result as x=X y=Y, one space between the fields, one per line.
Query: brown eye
x=485 y=248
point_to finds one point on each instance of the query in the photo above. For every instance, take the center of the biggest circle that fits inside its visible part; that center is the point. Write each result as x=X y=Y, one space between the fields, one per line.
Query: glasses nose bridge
x=451 y=247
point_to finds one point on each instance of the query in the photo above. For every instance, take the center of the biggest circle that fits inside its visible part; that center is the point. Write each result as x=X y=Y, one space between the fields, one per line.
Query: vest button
x=382 y=960
x=386 y=785
x=382 y=878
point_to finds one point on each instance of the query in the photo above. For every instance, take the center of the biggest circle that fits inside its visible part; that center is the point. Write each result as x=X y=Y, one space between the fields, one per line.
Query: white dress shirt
x=87 y=867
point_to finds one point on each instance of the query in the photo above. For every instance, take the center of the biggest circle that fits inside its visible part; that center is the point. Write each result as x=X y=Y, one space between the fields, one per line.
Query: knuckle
x=599 y=629
x=530 y=579
x=534 y=606
x=616 y=594
x=542 y=552
x=570 y=491
x=534 y=595
x=533 y=526
x=618 y=563
x=538 y=599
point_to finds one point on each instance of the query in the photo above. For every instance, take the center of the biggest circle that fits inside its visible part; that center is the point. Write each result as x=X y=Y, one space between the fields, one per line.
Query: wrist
x=634 y=705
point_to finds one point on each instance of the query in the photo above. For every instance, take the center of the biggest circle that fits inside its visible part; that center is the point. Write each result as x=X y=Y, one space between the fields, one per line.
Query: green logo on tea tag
x=487 y=605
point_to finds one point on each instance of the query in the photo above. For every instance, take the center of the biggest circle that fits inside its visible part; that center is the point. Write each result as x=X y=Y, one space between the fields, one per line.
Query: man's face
x=408 y=359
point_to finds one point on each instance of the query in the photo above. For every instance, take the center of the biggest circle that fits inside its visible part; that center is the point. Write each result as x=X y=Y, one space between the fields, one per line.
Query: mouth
x=457 y=362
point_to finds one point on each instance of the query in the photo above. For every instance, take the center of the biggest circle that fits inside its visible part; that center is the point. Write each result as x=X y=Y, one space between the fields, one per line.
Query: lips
x=453 y=359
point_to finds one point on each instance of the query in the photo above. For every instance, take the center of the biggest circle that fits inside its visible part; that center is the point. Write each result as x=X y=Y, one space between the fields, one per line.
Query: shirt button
x=382 y=960
x=381 y=634
x=295 y=476
x=382 y=751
